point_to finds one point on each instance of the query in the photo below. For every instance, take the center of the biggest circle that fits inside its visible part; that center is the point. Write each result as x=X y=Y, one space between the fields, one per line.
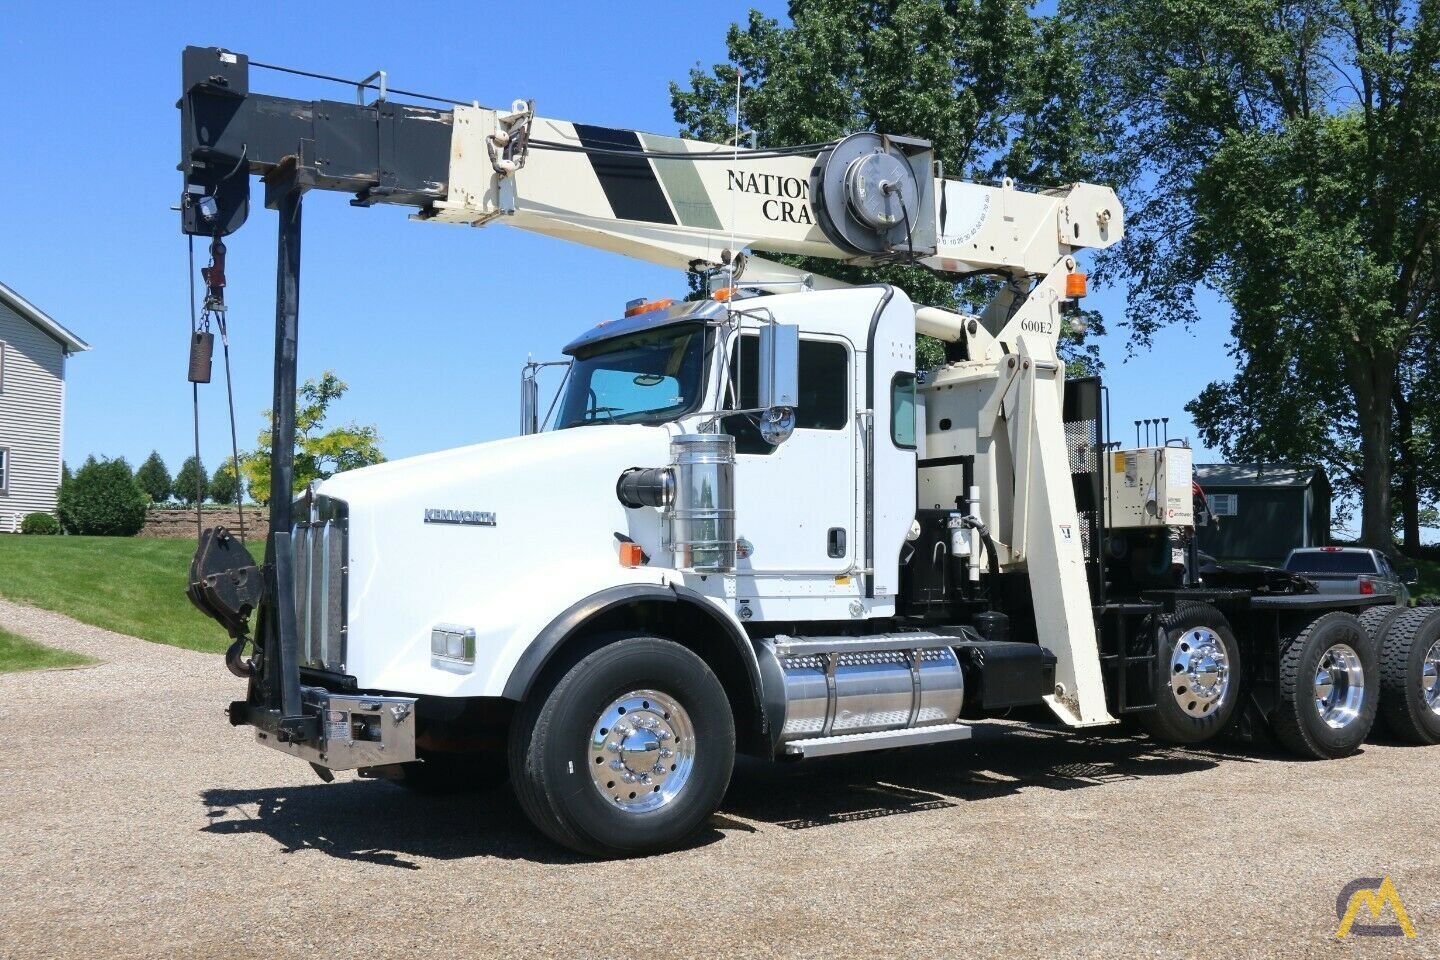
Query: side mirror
x=529 y=404
x=530 y=394
x=779 y=380
x=1410 y=576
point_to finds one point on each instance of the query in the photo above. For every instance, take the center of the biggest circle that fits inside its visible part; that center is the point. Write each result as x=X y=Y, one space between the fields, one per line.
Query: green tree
x=1416 y=439
x=192 y=484
x=103 y=500
x=995 y=88
x=319 y=453
x=225 y=484
x=154 y=479
x=1282 y=155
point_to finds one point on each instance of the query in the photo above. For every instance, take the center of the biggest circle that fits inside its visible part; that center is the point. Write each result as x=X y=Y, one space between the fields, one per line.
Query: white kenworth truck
x=751 y=525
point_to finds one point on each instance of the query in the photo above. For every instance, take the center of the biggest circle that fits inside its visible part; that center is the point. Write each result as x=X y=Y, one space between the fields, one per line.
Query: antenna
x=735 y=157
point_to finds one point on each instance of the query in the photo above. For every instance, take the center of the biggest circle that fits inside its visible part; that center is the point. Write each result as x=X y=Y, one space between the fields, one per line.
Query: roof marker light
x=637 y=307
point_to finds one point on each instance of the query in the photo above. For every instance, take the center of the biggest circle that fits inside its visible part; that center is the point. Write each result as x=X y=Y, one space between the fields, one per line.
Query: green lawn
x=17 y=653
x=1429 y=578
x=130 y=585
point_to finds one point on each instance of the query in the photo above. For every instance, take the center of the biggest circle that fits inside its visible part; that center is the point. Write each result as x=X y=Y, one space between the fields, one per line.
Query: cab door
x=795 y=503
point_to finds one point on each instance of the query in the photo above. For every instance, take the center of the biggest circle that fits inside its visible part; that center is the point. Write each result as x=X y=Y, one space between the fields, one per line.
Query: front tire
x=628 y=752
x=1197 y=681
x=1410 y=676
x=1329 y=689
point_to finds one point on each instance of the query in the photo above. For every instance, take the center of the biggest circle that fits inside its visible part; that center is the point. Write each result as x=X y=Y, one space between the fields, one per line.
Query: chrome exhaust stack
x=697 y=496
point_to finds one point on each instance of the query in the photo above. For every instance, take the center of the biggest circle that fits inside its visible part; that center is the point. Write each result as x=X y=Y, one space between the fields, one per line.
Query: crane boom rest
x=795 y=581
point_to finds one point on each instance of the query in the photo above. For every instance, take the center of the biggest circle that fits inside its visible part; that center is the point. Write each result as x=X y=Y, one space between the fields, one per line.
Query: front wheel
x=628 y=753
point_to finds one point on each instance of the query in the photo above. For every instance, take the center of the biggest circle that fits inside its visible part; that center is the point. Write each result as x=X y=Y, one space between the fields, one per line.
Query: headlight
x=451 y=645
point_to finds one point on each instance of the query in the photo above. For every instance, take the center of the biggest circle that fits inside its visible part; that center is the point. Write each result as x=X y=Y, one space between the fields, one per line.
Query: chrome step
x=880 y=740
x=787 y=646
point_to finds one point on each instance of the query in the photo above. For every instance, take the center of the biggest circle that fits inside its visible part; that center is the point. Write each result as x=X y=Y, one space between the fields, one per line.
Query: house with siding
x=33 y=351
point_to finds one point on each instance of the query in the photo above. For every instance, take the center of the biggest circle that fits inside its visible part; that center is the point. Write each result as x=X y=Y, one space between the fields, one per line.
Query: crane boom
x=869 y=198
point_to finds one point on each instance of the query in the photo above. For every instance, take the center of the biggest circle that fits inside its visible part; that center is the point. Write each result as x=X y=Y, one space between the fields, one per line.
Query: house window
x=1223 y=504
x=824 y=390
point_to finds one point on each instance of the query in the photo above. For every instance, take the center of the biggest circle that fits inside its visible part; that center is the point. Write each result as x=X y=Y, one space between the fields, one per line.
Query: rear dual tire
x=1329 y=688
x=1410 y=675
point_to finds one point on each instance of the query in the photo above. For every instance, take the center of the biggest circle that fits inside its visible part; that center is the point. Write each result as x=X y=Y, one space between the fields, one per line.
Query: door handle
x=835 y=543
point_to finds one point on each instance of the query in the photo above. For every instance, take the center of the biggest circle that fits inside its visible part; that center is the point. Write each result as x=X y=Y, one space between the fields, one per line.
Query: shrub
x=103 y=500
x=225 y=484
x=154 y=479
x=67 y=482
x=191 y=482
x=40 y=524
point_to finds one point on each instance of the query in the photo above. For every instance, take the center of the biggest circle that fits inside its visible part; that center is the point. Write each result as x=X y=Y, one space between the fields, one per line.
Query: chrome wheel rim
x=642 y=751
x=1339 y=686
x=1199 y=672
x=1430 y=679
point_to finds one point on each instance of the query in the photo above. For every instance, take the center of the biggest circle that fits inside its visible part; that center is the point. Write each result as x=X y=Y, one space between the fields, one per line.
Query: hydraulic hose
x=975 y=523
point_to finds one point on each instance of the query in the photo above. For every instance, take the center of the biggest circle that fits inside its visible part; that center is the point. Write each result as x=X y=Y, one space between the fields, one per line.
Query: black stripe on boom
x=629 y=182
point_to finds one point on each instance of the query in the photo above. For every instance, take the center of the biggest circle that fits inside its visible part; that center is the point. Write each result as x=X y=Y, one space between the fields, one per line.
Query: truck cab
x=495 y=542
x=814 y=511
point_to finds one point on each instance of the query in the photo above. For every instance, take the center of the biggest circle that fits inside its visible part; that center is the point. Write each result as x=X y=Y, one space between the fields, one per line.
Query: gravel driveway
x=135 y=822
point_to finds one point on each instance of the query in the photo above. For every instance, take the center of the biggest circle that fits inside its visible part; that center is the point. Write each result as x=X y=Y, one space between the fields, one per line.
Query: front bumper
x=341 y=731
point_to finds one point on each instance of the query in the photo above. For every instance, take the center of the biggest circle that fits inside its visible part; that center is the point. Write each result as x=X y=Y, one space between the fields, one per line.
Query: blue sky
x=429 y=324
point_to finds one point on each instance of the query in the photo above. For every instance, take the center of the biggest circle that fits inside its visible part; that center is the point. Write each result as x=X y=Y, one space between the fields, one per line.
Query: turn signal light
x=643 y=307
x=631 y=555
x=1367 y=586
x=1074 y=286
x=723 y=295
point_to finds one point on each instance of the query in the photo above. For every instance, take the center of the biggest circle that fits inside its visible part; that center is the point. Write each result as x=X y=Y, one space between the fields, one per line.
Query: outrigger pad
x=225 y=583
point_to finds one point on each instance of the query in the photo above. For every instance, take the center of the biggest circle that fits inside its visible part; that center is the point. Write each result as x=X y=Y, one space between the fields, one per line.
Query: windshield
x=649 y=377
x=1330 y=563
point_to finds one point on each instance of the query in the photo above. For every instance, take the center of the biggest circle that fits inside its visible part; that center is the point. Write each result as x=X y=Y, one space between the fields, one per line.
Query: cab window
x=902 y=411
x=824 y=390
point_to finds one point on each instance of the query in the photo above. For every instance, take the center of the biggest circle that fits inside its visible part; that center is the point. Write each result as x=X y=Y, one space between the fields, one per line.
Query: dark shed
x=1264 y=510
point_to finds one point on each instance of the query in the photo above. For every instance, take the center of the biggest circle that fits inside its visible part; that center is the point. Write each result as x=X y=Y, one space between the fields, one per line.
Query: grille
x=1081 y=437
x=320 y=582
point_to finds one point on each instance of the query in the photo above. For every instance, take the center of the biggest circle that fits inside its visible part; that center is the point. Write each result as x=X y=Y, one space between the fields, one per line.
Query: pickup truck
x=1352 y=570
